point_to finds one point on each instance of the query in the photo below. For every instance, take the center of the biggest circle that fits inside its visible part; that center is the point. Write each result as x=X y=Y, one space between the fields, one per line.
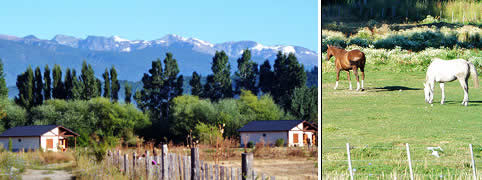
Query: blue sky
x=268 y=22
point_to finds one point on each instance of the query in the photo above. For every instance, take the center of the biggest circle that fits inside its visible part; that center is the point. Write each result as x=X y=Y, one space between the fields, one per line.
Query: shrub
x=250 y=144
x=280 y=142
x=208 y=134
x=360 y=42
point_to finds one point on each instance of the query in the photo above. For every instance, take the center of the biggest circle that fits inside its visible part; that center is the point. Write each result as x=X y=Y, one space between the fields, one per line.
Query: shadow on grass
x=471 y=103
x=393 y=88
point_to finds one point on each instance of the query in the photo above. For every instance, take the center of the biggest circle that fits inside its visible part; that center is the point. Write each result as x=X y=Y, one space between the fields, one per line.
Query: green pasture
x=390 y=112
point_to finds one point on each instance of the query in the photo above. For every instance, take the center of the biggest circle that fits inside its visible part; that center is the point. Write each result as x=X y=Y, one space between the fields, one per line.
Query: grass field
x=391 y=112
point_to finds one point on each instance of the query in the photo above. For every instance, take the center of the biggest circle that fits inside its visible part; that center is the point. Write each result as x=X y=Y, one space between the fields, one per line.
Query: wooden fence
x=167 y=166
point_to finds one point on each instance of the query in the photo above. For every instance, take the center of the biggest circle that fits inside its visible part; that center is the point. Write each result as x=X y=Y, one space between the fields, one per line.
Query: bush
x=250 y=144
x=207 y=134
x=280 y=142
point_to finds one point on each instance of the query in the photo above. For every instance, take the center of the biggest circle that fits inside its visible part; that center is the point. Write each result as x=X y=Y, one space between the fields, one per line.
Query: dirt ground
x=291 y=168
x=47 y=174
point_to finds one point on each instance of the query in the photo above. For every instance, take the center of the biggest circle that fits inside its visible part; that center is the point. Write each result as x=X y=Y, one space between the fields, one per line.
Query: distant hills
x=131 y=58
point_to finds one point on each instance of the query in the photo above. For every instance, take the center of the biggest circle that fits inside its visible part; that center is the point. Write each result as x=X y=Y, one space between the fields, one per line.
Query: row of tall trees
x=34 y=89
x=280 y=81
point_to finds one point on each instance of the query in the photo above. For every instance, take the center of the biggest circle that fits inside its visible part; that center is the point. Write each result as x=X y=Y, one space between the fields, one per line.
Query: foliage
x=128 y=93
x=25 y=89
x=88 y=82
x=106 y=84
x=207 y=134
x=58 y=91
x=37 y=88
x=266 y=77
x=250 y=144
x=10 y=145
x=115 y=85
x=160 y=86
x=195 y=83
x=221 y=86
x=47 y=83
x=279 y=142
x=305 y=103
x=15 y=115
x=289 y=74
x=246 y=75
x=3 y=84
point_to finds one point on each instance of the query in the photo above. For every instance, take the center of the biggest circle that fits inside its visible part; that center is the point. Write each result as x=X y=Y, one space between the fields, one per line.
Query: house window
x=264 y=134
x=19 y=140
x=295 y=138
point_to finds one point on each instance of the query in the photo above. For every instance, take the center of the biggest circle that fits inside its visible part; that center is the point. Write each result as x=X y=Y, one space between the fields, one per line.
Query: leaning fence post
x=409 y=161
x=474 y=170
x=194 y=164
x=147 y=164
x=246 y=164
x=119 y=165
x=164 y=162
x=126 y=169
x=349 y=160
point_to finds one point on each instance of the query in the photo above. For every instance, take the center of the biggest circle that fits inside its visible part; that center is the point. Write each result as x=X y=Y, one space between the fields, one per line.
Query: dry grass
x=56 y=157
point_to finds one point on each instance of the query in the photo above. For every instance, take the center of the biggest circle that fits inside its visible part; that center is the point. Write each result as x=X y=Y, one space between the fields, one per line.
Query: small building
x=293 y=132
x=47 y=137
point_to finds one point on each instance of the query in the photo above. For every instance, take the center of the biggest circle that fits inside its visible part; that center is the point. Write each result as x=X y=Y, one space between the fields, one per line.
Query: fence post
x=216 y=172
x=126 y=160
x=134 y=159
x=194 y=164
x=474 y=170
x=409 y=161
x=119 y=165
x=233 y=176
x=164 y=162
x=221 y=173
x=349 y=160
x=147 y=164
x=246 y=164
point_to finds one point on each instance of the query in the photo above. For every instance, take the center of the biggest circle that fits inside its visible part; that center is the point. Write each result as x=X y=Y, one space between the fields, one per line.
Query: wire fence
x=459 y=162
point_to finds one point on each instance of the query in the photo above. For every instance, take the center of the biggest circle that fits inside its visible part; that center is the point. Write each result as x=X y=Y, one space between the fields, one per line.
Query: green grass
x=379 y=121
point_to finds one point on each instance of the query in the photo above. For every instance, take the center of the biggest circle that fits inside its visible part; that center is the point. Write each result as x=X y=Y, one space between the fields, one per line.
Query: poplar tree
x=76 y=86
x=195 y=82
x=69 y=84
x=266 y=77
x=38 y=86
x=246 y=74
x=115 y=85
x=98 y=85
x=3 y=83
x=47 y=83
x=289 y=74
x=58 y=90
x=88 y=82
x=222 y=77
x=106 y=83
x=128 y=93
x=25 y=89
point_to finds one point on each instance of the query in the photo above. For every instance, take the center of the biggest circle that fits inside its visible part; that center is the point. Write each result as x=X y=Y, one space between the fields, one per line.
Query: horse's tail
x=473 y=73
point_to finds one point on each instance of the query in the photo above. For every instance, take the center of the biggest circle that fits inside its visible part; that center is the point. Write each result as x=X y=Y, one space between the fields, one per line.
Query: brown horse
x=347 y=60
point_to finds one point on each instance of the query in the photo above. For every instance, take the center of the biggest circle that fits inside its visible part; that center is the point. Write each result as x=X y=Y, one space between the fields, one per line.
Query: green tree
x=305 y=103
x=47 y=83
x=98 y=85
x=289 y=74
x=25 y=85
x=247 y=73
x=115 y=86
x=128 y=93
x=209 y=90
x=38 y=87
x=221 y=76
x=266 y=77
x=3 y=84
x=88 y=82
x=160 y=86
x=195 y=82
x=106 y=84
x=68 y=85
x=58 y=90
x=76 y=87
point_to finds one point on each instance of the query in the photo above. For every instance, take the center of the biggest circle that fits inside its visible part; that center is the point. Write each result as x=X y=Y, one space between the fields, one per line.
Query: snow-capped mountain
x=133 y=57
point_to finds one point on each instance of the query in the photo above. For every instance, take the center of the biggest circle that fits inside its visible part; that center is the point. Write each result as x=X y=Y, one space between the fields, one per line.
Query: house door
x=50 y=143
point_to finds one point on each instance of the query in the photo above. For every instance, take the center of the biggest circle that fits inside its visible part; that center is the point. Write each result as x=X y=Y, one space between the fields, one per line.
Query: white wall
x=270 y=137
x=24 y=143
x=53 y=134
x=298 y=130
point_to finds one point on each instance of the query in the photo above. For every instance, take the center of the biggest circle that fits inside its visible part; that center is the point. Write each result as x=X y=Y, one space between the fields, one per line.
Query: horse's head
x=329 y=52
x=428 y=93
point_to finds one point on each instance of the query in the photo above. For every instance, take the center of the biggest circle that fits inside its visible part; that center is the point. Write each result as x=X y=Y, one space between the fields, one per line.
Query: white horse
x=448 y=70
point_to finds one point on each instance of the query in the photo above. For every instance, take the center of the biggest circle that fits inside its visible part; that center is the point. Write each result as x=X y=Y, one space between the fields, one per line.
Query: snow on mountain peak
x=118 y=39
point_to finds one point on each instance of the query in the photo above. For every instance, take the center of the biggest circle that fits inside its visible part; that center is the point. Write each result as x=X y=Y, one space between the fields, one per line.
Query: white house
x=294 y=132
x=48 y=137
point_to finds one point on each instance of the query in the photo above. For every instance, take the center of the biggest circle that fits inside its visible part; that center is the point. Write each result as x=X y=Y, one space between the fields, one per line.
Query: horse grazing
x=347 y=60
x=446 y=71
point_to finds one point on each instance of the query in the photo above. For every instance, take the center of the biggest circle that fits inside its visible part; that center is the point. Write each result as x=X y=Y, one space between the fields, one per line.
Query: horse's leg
x=349 y=80
x=337 y=77
x=463 y=83
x=355 y=71
x=362 y=69
x=442 y=87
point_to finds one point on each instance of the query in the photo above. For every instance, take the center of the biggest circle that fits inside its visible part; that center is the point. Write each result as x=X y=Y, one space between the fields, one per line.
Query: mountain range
x=131 y=58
